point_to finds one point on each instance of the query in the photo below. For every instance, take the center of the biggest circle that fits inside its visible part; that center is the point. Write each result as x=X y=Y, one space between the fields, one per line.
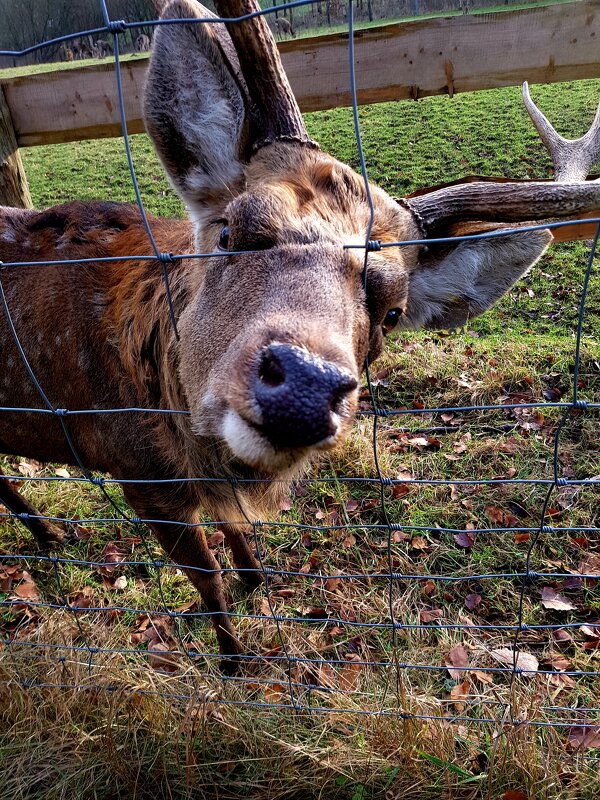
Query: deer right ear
x=195 y=109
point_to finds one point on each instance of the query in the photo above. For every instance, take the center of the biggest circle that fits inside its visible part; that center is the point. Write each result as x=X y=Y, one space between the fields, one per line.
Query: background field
x=123 y=743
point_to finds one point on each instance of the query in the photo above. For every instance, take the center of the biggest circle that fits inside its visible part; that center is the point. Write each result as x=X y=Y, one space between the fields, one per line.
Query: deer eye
x=224 y=238
x=391 y=320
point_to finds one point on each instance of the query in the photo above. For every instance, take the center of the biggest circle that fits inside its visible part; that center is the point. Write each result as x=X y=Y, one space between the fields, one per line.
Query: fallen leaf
x=29 y=468
x=590 y=565
x=514 y=794
x=558 y=661
x=590 y=632
x=484 y=677
x=284 y=593
x=28 y=589
x=274 y=692
x=552 y=599
x=349 y=677
x=120 y=583
x=265 y=607
x=457 y=662
x=459 y=692
x=112 y=556
x=419 y=543
x=333 y=584
x=561 y=681
x=429 y=615
x=472 y=601
x=584 y=738
x=160 y=657
x=83 y=599
x=429 y=587
x=62 y=472
x=524 y=661
x=465 y=538
x=561 y=636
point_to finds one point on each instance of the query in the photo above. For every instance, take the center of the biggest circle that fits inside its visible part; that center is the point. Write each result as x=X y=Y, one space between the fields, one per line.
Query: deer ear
x=195 y=108
x=446 y=292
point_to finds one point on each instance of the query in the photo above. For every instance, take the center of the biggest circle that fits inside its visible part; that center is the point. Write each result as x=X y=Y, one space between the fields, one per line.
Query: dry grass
x=160 y=721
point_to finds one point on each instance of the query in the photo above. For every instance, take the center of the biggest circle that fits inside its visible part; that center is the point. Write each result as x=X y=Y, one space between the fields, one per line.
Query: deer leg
x=186 y=545
x=46 y=534
x=242 y=555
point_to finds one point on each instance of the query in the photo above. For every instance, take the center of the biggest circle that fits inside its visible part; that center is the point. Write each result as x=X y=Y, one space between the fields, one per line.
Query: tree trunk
x=13 y=181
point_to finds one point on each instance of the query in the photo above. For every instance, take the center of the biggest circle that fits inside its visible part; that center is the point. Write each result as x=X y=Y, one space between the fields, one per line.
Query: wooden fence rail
x=393 y=62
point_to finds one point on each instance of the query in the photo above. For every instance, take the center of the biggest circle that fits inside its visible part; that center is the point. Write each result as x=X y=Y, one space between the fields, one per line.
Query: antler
x=570 y=195
x=572 y=158
x=274 y=111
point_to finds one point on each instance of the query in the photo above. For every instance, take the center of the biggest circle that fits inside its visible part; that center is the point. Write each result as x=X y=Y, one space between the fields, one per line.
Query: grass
x=118 y=738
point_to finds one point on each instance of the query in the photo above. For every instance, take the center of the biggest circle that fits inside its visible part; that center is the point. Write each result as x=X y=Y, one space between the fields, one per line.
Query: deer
x=274 y=328
x=66 y=53
x=102 y=48
x=142 y=43
x=284 y=27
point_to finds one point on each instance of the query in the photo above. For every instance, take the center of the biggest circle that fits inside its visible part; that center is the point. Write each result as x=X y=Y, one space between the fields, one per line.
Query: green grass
x=55 y=743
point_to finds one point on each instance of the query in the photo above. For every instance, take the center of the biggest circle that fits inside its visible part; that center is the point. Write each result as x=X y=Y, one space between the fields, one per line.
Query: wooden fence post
x=14 y=190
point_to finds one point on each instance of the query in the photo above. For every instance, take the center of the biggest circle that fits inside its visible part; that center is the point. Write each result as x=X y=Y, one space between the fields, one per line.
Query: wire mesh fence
x=285 y=666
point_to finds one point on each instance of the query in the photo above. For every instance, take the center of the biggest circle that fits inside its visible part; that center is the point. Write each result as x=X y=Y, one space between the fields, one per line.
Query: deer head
x=275 y=339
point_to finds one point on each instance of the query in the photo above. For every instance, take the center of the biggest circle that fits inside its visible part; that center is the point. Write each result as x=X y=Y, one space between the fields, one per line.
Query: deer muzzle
x=301 y=396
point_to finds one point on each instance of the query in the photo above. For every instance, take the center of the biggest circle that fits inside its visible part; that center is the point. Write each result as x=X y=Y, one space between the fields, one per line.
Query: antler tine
x=572 y=158
x=274 y=111
x=569 y=195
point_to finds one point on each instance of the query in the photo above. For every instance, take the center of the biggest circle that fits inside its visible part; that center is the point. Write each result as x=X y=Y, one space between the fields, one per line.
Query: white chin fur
x=250 y=447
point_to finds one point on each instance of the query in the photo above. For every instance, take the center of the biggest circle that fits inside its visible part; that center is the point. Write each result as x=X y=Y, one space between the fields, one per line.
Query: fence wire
x=302 y=687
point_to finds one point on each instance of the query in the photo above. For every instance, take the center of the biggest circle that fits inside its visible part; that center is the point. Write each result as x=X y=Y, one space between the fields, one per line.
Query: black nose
x=298 y=395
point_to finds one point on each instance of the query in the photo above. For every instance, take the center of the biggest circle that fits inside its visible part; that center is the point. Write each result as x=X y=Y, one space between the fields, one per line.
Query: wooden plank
x=14 y=190
x=393 y=62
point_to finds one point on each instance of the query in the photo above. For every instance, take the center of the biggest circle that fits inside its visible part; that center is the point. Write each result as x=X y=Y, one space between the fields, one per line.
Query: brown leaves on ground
x=112 y=555
x=9 y=575
x=592 y=636
x=403 y=441
x=472 y=600
x=458 y=693
x=590 y=565
x=29 y=468
x=465 y=538
x=430 y=615
x=27 y=589
x=520 y=659
x=162 y=645
x=584 y=737
x=502 y=517
x=457 y=661
x=555 y=601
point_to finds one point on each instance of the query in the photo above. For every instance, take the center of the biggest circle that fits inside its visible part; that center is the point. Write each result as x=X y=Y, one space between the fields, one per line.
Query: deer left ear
x=445 y=292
